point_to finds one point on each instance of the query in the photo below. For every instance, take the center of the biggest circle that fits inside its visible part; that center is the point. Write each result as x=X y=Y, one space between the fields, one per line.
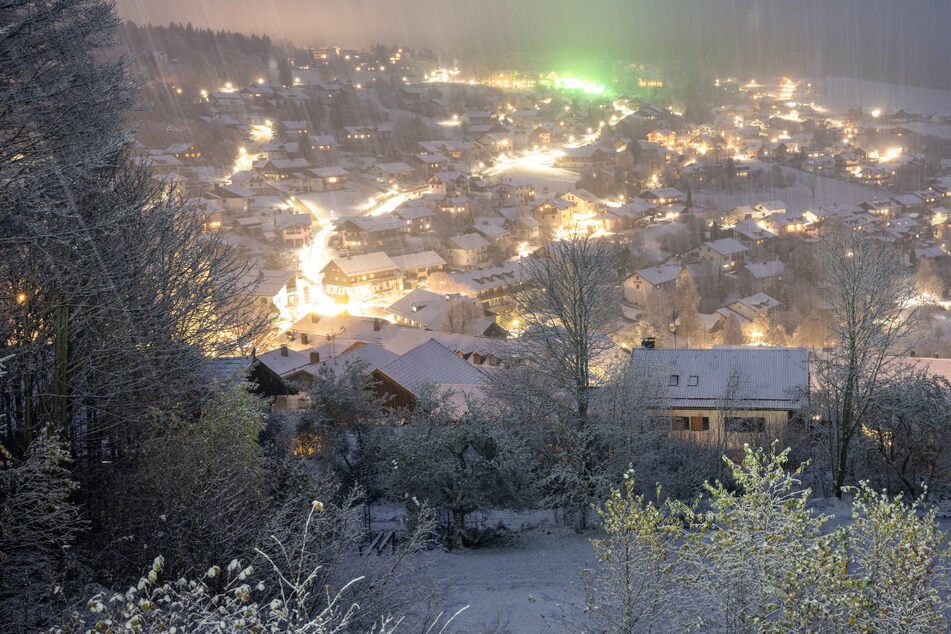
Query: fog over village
x=475 y=316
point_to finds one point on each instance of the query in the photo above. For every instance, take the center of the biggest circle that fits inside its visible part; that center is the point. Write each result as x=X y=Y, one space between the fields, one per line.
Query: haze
x=872 y=39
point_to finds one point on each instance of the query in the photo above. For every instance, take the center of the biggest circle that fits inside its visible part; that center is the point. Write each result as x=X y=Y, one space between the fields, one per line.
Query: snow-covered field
x=799 y=197
x=841 y=93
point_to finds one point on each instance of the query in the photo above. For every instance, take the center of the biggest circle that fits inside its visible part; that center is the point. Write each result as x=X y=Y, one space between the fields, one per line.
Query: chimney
x=283 y=349
x=315 y=357
x=314 y=318
x=647 y=342
x=377 y=324
x=304 y=339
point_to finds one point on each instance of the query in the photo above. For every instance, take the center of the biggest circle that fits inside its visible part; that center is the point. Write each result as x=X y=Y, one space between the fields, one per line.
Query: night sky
x=890 y=40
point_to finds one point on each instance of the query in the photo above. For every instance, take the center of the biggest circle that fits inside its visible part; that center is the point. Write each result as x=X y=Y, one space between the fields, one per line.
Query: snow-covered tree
x=901 y=562
x=870 y=293
x=461 y=464
x=756 y=558
x=568 y=310
x=286 y=589
x=909 y=430
x=634 y=587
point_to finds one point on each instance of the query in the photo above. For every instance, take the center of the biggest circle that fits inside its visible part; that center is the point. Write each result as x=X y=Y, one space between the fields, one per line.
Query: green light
x=574 y=83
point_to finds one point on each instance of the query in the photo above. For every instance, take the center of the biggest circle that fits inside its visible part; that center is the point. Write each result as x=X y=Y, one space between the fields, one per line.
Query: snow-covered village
x=480 y=317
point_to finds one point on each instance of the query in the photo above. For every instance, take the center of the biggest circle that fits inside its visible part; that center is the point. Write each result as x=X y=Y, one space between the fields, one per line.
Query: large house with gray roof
x=715 y=393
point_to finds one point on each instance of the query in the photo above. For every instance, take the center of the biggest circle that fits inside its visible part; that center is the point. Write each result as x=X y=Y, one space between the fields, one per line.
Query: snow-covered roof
x=469 y=241
x=762 y=270
x=726 y=246
x=415 y=261
x=739 y=378
x=374 y=223
x=420 y=306
x=432 y=364
x=661 y=274
x=284 y=360
x=365 y=263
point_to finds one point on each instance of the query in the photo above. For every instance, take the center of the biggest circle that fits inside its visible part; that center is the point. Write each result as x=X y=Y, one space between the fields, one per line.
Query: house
x=454 y=205
x=293 y=230
x=426 y=368
x=279 y=292
x=785 y=223
x=428 y=164
x=581 y=200
x=233 y=198
x=494 y=286
x=523 y=228
x=417 y=216
x=330 y=178
x=262 y=380
x=746 y=310
x=398 y=173
x=468 y=250
x=447 y=183
x=494 y=143
x=493 y=229
x=720 y=392
x=366 y=357
x=750 y=234
x=581 y=157
x=361 y=275
x=444 y=312
x=663 y=196
x=515 y=192
x=650 y=281
x=418 y=266
x=553 y=214
x=760 y=277
x=185 y=152
x=721 y=256
x=325 y=148
x=371 y=232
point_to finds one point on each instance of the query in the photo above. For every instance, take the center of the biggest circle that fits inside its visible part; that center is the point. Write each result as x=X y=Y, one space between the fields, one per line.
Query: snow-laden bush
x=758 y=559
x=236 y=598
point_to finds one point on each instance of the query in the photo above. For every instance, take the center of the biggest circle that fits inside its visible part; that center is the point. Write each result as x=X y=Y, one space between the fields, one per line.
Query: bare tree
x=568 y=310
x=869 y=292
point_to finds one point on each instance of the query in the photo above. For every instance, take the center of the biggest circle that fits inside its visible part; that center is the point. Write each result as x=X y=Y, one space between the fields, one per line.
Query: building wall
x=774 y=424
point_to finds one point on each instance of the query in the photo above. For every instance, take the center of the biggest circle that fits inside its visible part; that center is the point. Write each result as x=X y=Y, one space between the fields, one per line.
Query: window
x=679 y=423
x=745 y=424
x=699 y=423
x=693 y=380
x=674 y=379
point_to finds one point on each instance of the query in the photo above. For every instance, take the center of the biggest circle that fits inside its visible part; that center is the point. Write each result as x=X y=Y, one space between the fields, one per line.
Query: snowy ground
x=525 y=586
x=545 y=180
x=531 y=583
